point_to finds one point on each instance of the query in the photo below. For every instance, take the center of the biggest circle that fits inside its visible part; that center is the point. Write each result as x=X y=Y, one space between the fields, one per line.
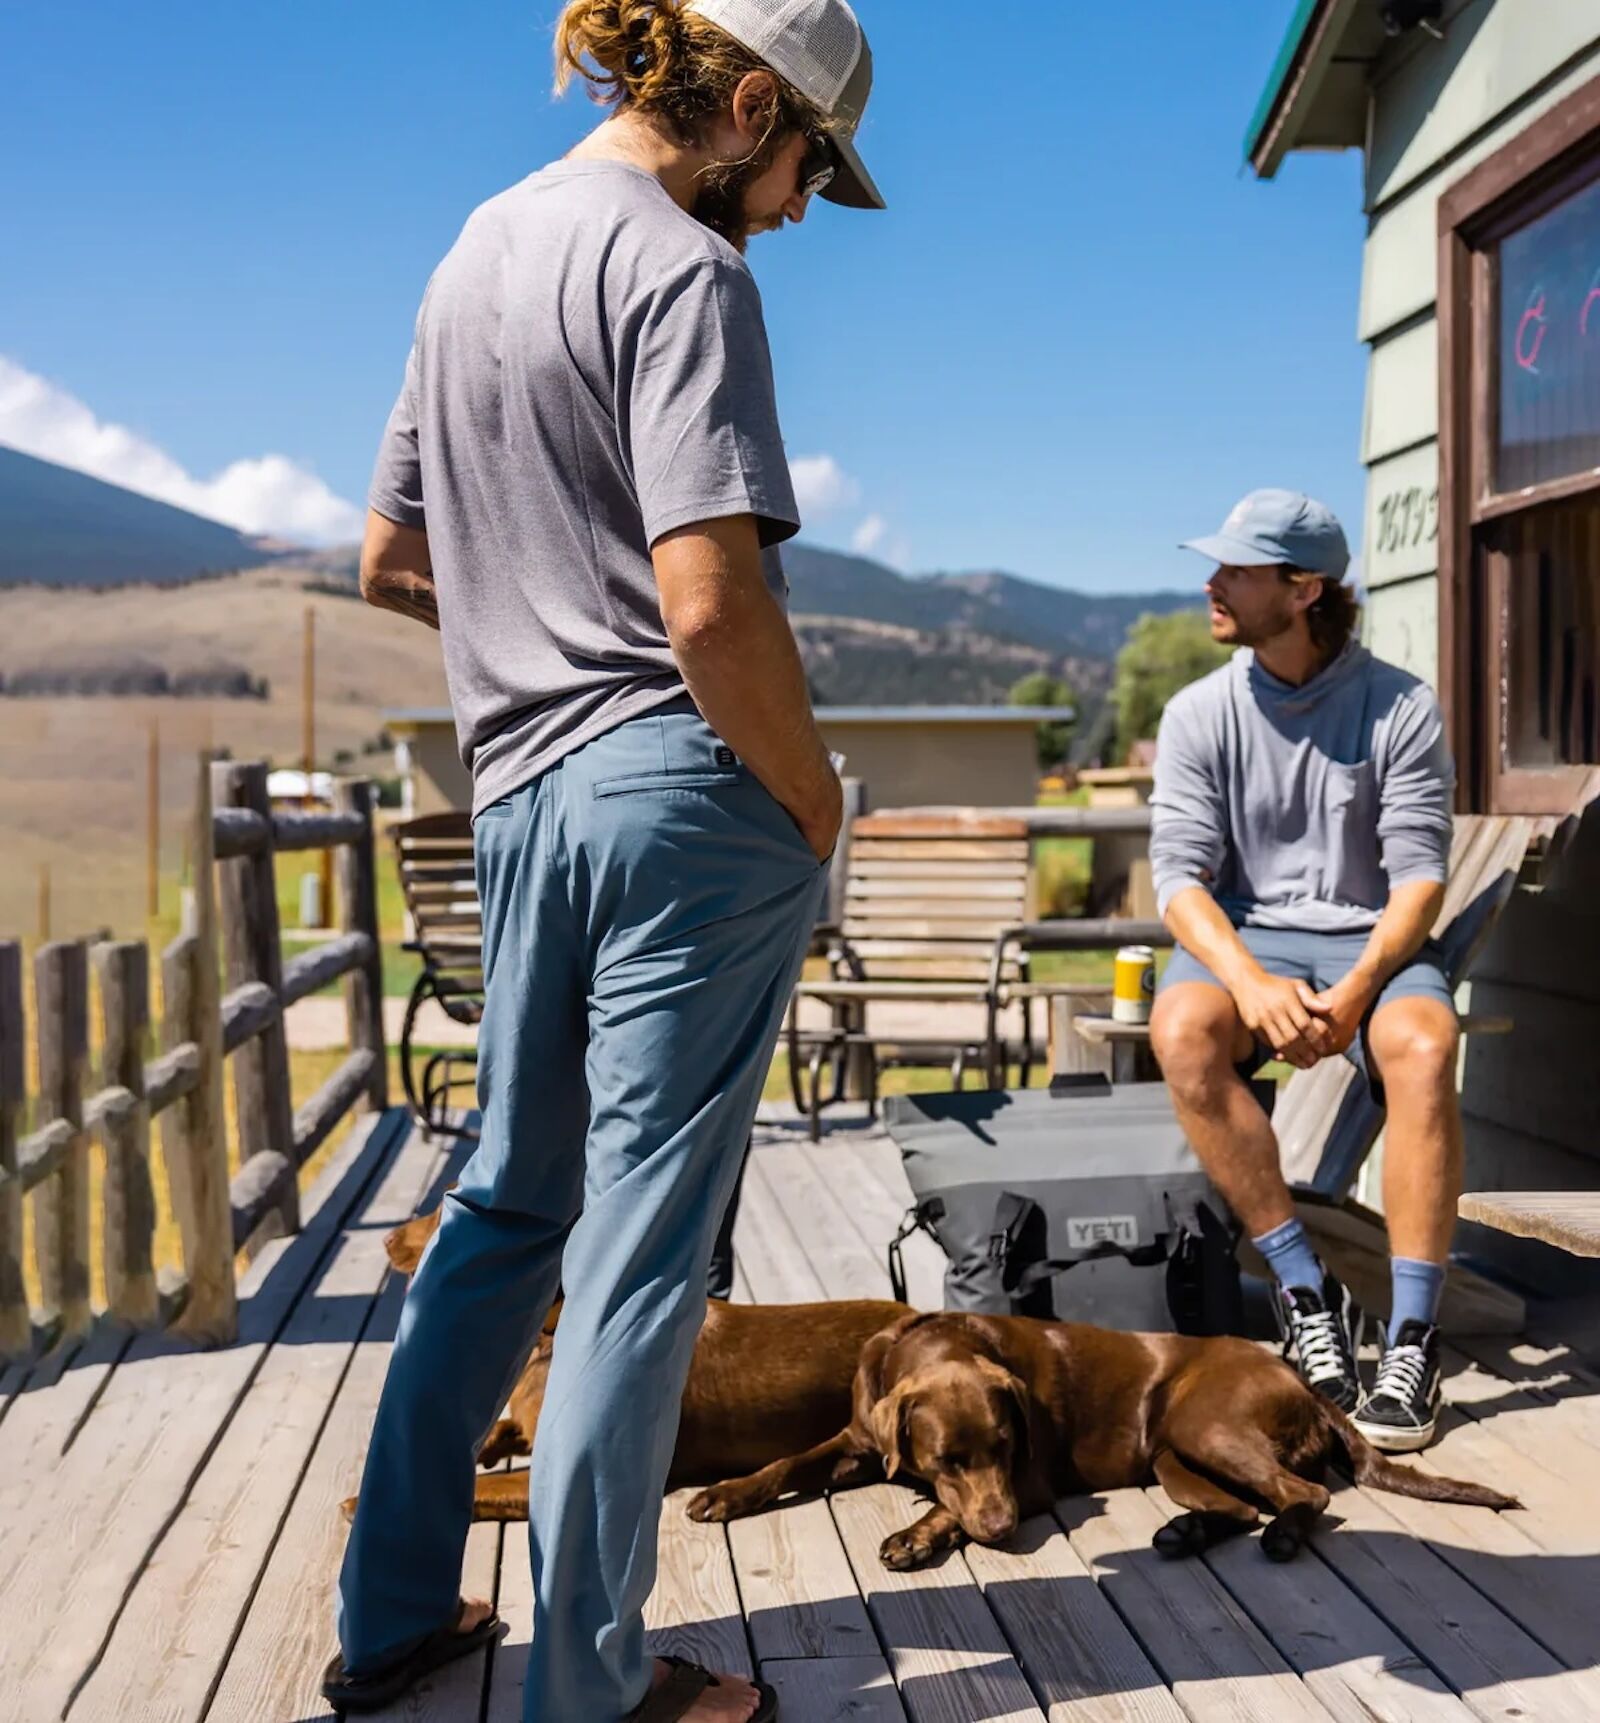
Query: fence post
x=130 y=1209
x=16 y=1331
x=252 y=944
x=358 y=913
x=61 y=1203
x=194 y=1129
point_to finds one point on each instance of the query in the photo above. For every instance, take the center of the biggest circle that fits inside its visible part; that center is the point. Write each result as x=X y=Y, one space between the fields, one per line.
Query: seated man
x=1302 y=823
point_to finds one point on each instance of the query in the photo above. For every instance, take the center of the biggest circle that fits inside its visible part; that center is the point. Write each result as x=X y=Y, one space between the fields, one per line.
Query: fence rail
x=225 y=989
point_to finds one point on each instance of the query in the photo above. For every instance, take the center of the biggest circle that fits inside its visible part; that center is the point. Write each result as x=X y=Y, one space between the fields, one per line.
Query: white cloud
x=821 y=485
x=267 y=494
x=869 y=535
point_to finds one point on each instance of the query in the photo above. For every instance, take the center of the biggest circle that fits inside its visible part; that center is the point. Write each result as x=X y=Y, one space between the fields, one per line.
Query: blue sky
x=1078 y=335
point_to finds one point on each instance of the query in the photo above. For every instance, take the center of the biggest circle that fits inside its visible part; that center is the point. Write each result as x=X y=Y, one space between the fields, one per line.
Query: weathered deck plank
x=122 y=1483
x=1356 y=1665
x=1501 y=1672
x=1217 y=1662
x=273 y=1672
x=695 y=1610
x=192 y=1529
x=774 y=1264
x=842 y=1259
x=835 y=1690
x=174 y=1632
x=945 y=1648
x=1083 y=1663
x=795 y=1581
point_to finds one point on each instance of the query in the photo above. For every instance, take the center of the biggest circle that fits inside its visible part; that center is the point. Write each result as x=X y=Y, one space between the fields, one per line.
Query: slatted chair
x=437 y=877
x=934 y=912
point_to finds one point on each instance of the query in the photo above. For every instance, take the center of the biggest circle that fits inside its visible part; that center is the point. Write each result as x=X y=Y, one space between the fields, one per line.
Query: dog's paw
x=348 y=1508
x=504 y=1442
x=906 y=1551
x=1186 y=1535
x=1283 y=1539
x=719 y=1504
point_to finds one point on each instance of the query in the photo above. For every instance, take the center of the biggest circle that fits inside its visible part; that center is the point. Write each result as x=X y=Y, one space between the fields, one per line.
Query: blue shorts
x=1321 y=960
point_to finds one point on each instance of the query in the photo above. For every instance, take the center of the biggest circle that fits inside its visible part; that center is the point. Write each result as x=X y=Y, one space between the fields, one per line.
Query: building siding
x=1438 y=110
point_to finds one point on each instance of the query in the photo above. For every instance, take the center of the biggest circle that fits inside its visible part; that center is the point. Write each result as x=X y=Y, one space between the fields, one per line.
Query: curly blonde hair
x=661 y=58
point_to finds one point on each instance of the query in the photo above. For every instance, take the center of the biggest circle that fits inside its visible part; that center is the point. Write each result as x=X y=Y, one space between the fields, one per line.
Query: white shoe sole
x=1388 y=1440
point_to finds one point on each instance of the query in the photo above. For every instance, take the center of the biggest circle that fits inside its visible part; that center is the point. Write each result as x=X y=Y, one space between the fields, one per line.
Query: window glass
x=1549 y=345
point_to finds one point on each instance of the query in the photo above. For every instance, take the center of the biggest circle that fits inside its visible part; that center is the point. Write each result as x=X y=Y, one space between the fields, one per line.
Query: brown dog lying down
x=765 y=1379
x=1002 y=1416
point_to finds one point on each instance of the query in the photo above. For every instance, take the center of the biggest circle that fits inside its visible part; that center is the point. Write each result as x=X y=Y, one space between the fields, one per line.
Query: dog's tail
x=1369 y=1466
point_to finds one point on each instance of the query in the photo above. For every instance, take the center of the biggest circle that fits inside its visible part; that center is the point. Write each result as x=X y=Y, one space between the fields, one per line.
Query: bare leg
x=1198 y=1039
x=1214 y=1514
x=1414 y=1043
x=842 y=1460
x=937 y=1531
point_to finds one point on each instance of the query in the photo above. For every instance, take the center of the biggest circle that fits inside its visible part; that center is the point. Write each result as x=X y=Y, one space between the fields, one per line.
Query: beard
x=721 y=201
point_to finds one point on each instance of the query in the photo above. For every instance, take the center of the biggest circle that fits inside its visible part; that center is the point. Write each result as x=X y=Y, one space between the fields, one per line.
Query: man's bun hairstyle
x=661 y=58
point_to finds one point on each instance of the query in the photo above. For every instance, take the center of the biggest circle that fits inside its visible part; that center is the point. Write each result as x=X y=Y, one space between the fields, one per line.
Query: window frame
x=1553 y=156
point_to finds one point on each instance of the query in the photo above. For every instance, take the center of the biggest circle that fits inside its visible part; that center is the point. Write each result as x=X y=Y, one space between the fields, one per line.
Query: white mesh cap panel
x=814 y=44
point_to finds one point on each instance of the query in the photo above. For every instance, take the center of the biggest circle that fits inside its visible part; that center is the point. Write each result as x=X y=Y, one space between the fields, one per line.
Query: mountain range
x=869 y=635
x=59 y=527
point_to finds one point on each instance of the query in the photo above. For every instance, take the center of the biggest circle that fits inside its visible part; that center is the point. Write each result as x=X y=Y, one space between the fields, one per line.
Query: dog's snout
x=994 y=1525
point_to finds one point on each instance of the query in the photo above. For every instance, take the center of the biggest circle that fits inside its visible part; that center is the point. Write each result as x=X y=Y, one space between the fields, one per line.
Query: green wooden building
x=1479 y=124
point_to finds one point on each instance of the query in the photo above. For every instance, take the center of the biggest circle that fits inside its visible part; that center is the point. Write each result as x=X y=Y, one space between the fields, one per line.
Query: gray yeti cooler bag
x=1088 y=1206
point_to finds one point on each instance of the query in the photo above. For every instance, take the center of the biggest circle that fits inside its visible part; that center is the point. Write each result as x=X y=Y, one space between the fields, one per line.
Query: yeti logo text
x=1121 y=1230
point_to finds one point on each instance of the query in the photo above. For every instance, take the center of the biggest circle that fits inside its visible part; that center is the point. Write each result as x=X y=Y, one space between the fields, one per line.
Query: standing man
x=1300 y=849
x=582 y=486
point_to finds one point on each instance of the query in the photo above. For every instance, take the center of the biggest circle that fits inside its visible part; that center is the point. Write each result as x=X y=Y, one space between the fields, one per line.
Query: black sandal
x=684 y=1684
x=373 y=1692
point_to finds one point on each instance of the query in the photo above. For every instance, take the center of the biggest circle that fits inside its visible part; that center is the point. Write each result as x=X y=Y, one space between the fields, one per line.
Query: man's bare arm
x=739 y=660
x=397 y=571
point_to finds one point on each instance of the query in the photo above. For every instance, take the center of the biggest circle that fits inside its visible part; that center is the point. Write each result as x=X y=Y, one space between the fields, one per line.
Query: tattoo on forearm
x=414 y=596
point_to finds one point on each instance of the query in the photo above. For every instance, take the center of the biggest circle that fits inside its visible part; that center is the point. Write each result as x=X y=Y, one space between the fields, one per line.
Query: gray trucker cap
x=821 y=49
x=1279 y=527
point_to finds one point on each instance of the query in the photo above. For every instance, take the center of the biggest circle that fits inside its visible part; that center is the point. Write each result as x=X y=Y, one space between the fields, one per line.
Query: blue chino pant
x=646 y=909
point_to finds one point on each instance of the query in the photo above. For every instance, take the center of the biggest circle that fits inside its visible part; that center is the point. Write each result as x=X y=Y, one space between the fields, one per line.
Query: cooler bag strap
x=918 y=1219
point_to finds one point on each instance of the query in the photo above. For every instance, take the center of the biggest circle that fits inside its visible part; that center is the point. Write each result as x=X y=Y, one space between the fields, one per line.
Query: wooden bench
x=439 y=881
x=1570 y=1220
x=935 y=911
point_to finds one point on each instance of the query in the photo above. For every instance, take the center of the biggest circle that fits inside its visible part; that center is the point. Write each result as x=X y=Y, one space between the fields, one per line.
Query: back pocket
x=693 y=778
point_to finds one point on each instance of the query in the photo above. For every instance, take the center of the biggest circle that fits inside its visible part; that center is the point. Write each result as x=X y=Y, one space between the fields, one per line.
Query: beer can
x=1134 y=990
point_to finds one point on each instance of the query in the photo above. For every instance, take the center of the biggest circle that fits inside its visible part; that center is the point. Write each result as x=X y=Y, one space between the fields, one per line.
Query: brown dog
x=1002 y=1416
x=765 y=1379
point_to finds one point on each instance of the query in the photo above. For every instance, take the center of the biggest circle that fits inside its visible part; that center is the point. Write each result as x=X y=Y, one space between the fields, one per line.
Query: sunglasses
x=819 y=165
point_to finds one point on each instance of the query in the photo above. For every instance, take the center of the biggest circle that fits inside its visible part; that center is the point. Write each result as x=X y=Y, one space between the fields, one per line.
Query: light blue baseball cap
x=1279 y=527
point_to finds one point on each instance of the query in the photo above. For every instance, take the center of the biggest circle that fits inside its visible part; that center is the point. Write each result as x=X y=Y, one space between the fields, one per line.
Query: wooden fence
x=225 y=988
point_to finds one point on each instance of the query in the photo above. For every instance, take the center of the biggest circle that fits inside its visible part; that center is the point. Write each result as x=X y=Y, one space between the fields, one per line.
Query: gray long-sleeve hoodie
x=1302 y=807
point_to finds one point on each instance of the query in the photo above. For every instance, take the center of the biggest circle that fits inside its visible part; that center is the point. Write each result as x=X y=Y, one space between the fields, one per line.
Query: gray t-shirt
x=1302 y=807
x=590 y=372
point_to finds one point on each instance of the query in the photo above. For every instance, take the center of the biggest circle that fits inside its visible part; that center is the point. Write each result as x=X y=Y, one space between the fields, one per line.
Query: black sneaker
x=1318 y=1330
x=1402 y=1411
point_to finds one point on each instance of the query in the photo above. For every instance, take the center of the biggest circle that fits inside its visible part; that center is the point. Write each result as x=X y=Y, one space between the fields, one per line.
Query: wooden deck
x=169 y=1527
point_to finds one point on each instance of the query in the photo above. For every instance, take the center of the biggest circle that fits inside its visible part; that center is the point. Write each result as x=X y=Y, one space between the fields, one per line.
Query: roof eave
x=1309 y=49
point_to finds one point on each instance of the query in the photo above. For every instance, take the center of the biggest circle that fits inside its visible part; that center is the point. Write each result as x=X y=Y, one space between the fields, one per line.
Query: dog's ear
x=887 y=1422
